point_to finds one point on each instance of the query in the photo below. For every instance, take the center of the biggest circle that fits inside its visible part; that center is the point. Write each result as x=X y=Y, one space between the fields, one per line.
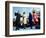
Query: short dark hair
x=33 y=11
x=23 y=12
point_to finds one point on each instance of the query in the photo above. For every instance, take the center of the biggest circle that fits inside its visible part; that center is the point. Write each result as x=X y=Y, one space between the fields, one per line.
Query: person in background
x=17 y=22
x=24 y=20
x=35 y=19
x=30 y=20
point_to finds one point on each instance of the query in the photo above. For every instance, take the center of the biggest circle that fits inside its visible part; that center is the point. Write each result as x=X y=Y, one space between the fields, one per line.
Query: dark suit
x=17 y=22
x=30 y=20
